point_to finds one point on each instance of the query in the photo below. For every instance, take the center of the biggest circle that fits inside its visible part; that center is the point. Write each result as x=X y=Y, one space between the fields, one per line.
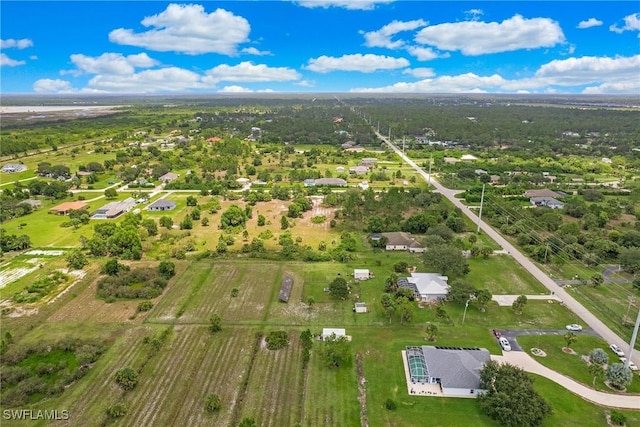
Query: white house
x=426 y=286
x=13 y=167
x=328 y=333
x=361 y=274
x=455 y=369
x=401 y=241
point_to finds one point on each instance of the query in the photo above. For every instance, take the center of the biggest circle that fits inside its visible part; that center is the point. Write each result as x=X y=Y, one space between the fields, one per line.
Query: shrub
x=318 y=219
x=390 y=405
x=215 y=323
x=212 y=403
x=599 y=356
x=277 y=340
x=145 y=306
x=618 y=418
x=127 y=378
x=117 y=410
x=619 y=376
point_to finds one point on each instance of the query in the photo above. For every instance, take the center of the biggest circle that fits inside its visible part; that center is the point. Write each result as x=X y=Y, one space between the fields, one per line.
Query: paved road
x=587 y=317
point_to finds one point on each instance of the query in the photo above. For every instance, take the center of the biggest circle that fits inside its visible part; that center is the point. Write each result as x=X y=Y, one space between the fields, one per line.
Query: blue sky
x=382 y=46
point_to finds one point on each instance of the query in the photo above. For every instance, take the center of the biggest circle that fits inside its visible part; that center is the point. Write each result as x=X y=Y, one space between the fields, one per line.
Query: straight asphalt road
x=587 y=317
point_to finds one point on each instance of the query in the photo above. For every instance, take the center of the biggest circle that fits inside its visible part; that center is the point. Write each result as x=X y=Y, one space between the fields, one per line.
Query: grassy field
x=271 y=385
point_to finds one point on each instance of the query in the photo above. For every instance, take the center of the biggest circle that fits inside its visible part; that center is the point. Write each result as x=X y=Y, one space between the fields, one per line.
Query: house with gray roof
x=426 y=286
x=331 y=182
x=114 y=209
x=401 y=241
x=162 y=205
x=549 y=202
x=455 y=369
x=14 y=167
x=168 y=177
x=34 y=203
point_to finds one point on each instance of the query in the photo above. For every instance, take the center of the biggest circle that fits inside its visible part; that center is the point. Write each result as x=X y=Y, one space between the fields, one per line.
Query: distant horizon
x=320 y=46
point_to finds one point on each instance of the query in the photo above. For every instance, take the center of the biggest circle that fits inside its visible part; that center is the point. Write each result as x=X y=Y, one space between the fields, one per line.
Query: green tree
x=166 y=222
x=151 y=226
x=460 y=292
x=338 y=288
x=388 y=306
x=446 y=260
x=597 y=280
x=110 y=193
x=234 y=216
x=167 y=269
x=597 y=372
x=510 y=398
x=405 y=309
x=336 y=352
x=248 y=422
x=186 y=223
x=215 y=323
x=570 y=338
x=77 y=259
x=431 y=330
x=519 y=303
x=112 y=267
x=598 y=356
x=284 y=223
x=483 y=297
x=261 y=220
x=127 y=378
x=192 y=201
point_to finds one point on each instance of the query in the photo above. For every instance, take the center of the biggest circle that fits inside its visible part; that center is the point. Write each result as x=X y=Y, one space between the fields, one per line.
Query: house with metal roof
x=331 y=182
x=14 y=167
x=549 y=202
x=114 y=209
x=162 y=205
x=455 y=369
x=426 y=286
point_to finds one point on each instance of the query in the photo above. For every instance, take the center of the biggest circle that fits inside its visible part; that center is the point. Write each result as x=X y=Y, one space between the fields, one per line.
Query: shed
x=361 y=274
x=327 y=333
x=285 y=289
x=360 y=307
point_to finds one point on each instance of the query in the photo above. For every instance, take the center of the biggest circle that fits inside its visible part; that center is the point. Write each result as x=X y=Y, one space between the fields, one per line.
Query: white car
x=616 y=350
x=574 y=327
x=632 y=365
x=504 y=343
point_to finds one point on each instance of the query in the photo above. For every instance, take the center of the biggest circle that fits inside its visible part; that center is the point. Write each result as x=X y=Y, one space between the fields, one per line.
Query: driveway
x=512 y=334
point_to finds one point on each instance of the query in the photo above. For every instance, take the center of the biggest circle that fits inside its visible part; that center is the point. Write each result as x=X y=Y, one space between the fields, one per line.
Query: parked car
x=504 y=343
x=574 y=327
x=632 y=365
x=616 y=350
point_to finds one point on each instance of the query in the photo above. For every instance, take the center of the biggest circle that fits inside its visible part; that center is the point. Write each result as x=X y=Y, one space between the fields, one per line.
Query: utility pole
x=633 y=341
x=429 y=178
x=480 y=213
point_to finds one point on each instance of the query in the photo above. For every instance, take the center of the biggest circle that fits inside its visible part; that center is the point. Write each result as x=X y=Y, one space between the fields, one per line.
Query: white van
x=504 y=343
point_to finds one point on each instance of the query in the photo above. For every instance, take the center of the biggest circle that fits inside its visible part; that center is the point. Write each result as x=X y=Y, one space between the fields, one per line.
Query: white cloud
x=5 y=61
x=52 y=86
x=478 y=38
x=589 y=69
x=421 y=73
x=426 y=53
x=631 y=23
x=305 y=83
x=347 y=4
x=474 y=14
x=463 y=83
x=367 y=63
x=591 y=22
x=170 y=79
x=235 y=89
x=248 y=72
x=188 y=29
x=382 y=37
x=587 y=74
x=13 y=43
x=254 y=51
x=110 y=63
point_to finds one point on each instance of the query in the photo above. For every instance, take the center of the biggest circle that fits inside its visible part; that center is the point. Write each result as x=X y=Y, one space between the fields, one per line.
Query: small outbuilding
x=328 y=333
x=13 y=167
x=285 y=289
x=360 y=307
x=361 y=274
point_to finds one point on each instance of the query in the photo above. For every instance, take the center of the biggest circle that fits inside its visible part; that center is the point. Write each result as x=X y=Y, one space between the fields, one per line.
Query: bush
x=212 y=403
x=277 y=340
x=390 y=405
x=117 y=410
x=127 y=378
x=215 y=323
x=618 y=418
x=599 y=356
x=145 y=306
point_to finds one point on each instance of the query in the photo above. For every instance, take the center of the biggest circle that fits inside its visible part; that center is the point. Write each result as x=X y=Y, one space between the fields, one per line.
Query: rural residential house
x=328 y=333
x=455 y=369
x=426 y=286
x=402 y=241
x=362 y=274
x=114 y=209
x=162 y=205
x=14 y=167
x=65 y=208
x=35 y=204
x=331 y=182
x=549 y=202
x=360 y=307
x=168 y=177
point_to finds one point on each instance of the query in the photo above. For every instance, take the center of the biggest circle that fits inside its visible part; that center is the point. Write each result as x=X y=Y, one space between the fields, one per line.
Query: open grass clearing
x=502 y=275
x=572 y=365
